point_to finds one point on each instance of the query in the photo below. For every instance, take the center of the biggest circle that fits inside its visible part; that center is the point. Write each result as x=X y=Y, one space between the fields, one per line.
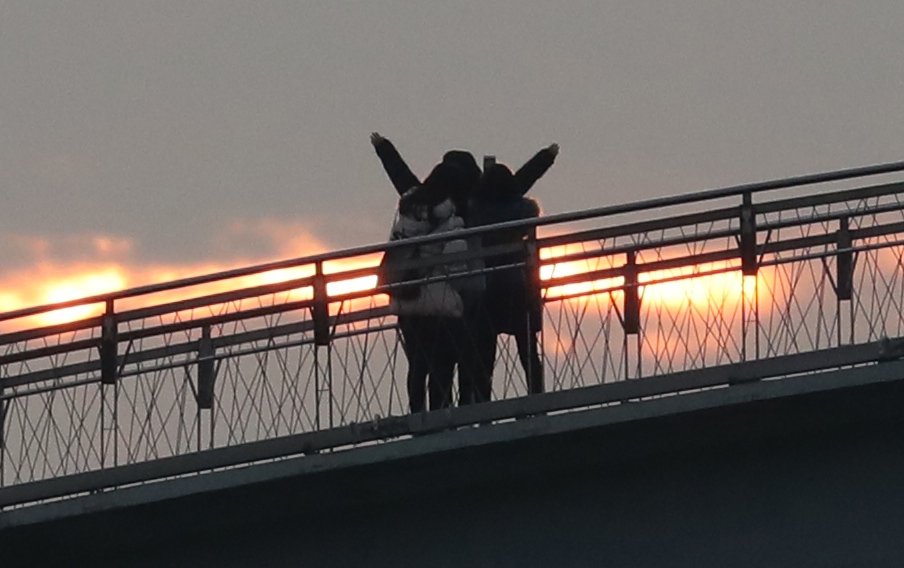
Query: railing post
x=2 y=425
x=631 y=314
x=535 y=384
x=749 y=268
x=3 y=409
x=748 y=237
x=323 y=374
x=844 y=277
x=320 y=309
x=844 y=265
x=631 y=303
x=207 y=376
x=108 y=346
x=206 y=370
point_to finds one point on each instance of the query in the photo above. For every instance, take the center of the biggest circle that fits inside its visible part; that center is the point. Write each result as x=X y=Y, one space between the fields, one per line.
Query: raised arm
x=528 y=174
x=398 y=171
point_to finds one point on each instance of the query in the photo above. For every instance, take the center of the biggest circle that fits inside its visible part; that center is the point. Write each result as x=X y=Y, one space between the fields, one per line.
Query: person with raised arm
x=476 y=362
x=512 y=300
x=429 y=313
x=403 y=178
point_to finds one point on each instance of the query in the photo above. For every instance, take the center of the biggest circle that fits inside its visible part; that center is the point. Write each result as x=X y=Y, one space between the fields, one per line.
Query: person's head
x=467 y=165
x=469 y=176
x=498 y=183
x=437 y=188
x=444 y=181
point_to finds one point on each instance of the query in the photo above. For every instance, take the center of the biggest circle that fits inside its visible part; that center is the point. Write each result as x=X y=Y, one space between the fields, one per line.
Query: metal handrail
x=307 y=281
x=670 y=201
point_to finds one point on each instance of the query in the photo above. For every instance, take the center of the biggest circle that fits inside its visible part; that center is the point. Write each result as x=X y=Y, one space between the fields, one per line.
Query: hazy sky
x=185 y=132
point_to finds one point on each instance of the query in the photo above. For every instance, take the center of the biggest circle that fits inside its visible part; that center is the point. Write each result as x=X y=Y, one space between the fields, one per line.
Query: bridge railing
x=293 y=348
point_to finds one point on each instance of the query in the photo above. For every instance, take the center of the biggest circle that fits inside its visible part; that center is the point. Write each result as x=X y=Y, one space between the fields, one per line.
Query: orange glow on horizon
x=682 y=286
x=60 y=284
x=76 y=287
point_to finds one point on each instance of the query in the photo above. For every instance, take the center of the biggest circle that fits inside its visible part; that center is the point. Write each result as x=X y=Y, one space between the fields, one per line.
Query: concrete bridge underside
x=798 y=472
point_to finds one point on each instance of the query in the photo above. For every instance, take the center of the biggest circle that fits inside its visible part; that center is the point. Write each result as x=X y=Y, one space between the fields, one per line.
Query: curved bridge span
x=722 y=371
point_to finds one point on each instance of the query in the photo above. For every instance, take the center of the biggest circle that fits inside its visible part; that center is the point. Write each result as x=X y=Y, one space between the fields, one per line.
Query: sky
x=144 y=141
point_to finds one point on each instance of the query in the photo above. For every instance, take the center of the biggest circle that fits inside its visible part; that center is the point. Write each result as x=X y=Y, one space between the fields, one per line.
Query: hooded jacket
x=512 y=295
x=439 y=298
x=499 y=198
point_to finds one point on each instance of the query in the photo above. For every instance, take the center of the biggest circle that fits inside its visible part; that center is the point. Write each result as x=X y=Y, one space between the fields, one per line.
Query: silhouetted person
x=430 y=314
x=512 y=298
x=476 y=363
x=403 y=179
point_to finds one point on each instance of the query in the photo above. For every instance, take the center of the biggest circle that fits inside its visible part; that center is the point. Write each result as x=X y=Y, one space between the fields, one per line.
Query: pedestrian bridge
x=723 y=370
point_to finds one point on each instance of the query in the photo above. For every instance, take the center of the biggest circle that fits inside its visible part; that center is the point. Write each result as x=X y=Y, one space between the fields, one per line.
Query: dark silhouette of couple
x=448 y=322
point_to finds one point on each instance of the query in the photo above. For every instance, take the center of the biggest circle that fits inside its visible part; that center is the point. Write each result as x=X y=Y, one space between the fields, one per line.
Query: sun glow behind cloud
x=49 y=282
x=76 y=287
x=697 y=285
x=104 y=264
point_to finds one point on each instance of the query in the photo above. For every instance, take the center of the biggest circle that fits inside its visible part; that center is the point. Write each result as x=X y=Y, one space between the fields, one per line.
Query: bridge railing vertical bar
x=320 y=312
x=749 y=269
x=206 y=370
x=631 y=315
x=4 y=405
x=109 y=355
x=844 y=274
x=535 y=384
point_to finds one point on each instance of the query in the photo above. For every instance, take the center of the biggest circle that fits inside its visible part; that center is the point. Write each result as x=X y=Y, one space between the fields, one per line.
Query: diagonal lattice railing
x=650 y=289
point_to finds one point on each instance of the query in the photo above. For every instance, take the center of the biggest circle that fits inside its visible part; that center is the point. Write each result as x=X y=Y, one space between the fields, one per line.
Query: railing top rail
x=609 y=210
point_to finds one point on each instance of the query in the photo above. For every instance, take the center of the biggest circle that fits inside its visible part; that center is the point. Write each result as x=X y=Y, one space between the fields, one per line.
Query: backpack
x=388 y=272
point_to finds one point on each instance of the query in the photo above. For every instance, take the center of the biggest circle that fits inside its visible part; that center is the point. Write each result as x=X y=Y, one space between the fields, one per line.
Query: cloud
x=266 y=238
x=43 y=269
x=23 y=250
